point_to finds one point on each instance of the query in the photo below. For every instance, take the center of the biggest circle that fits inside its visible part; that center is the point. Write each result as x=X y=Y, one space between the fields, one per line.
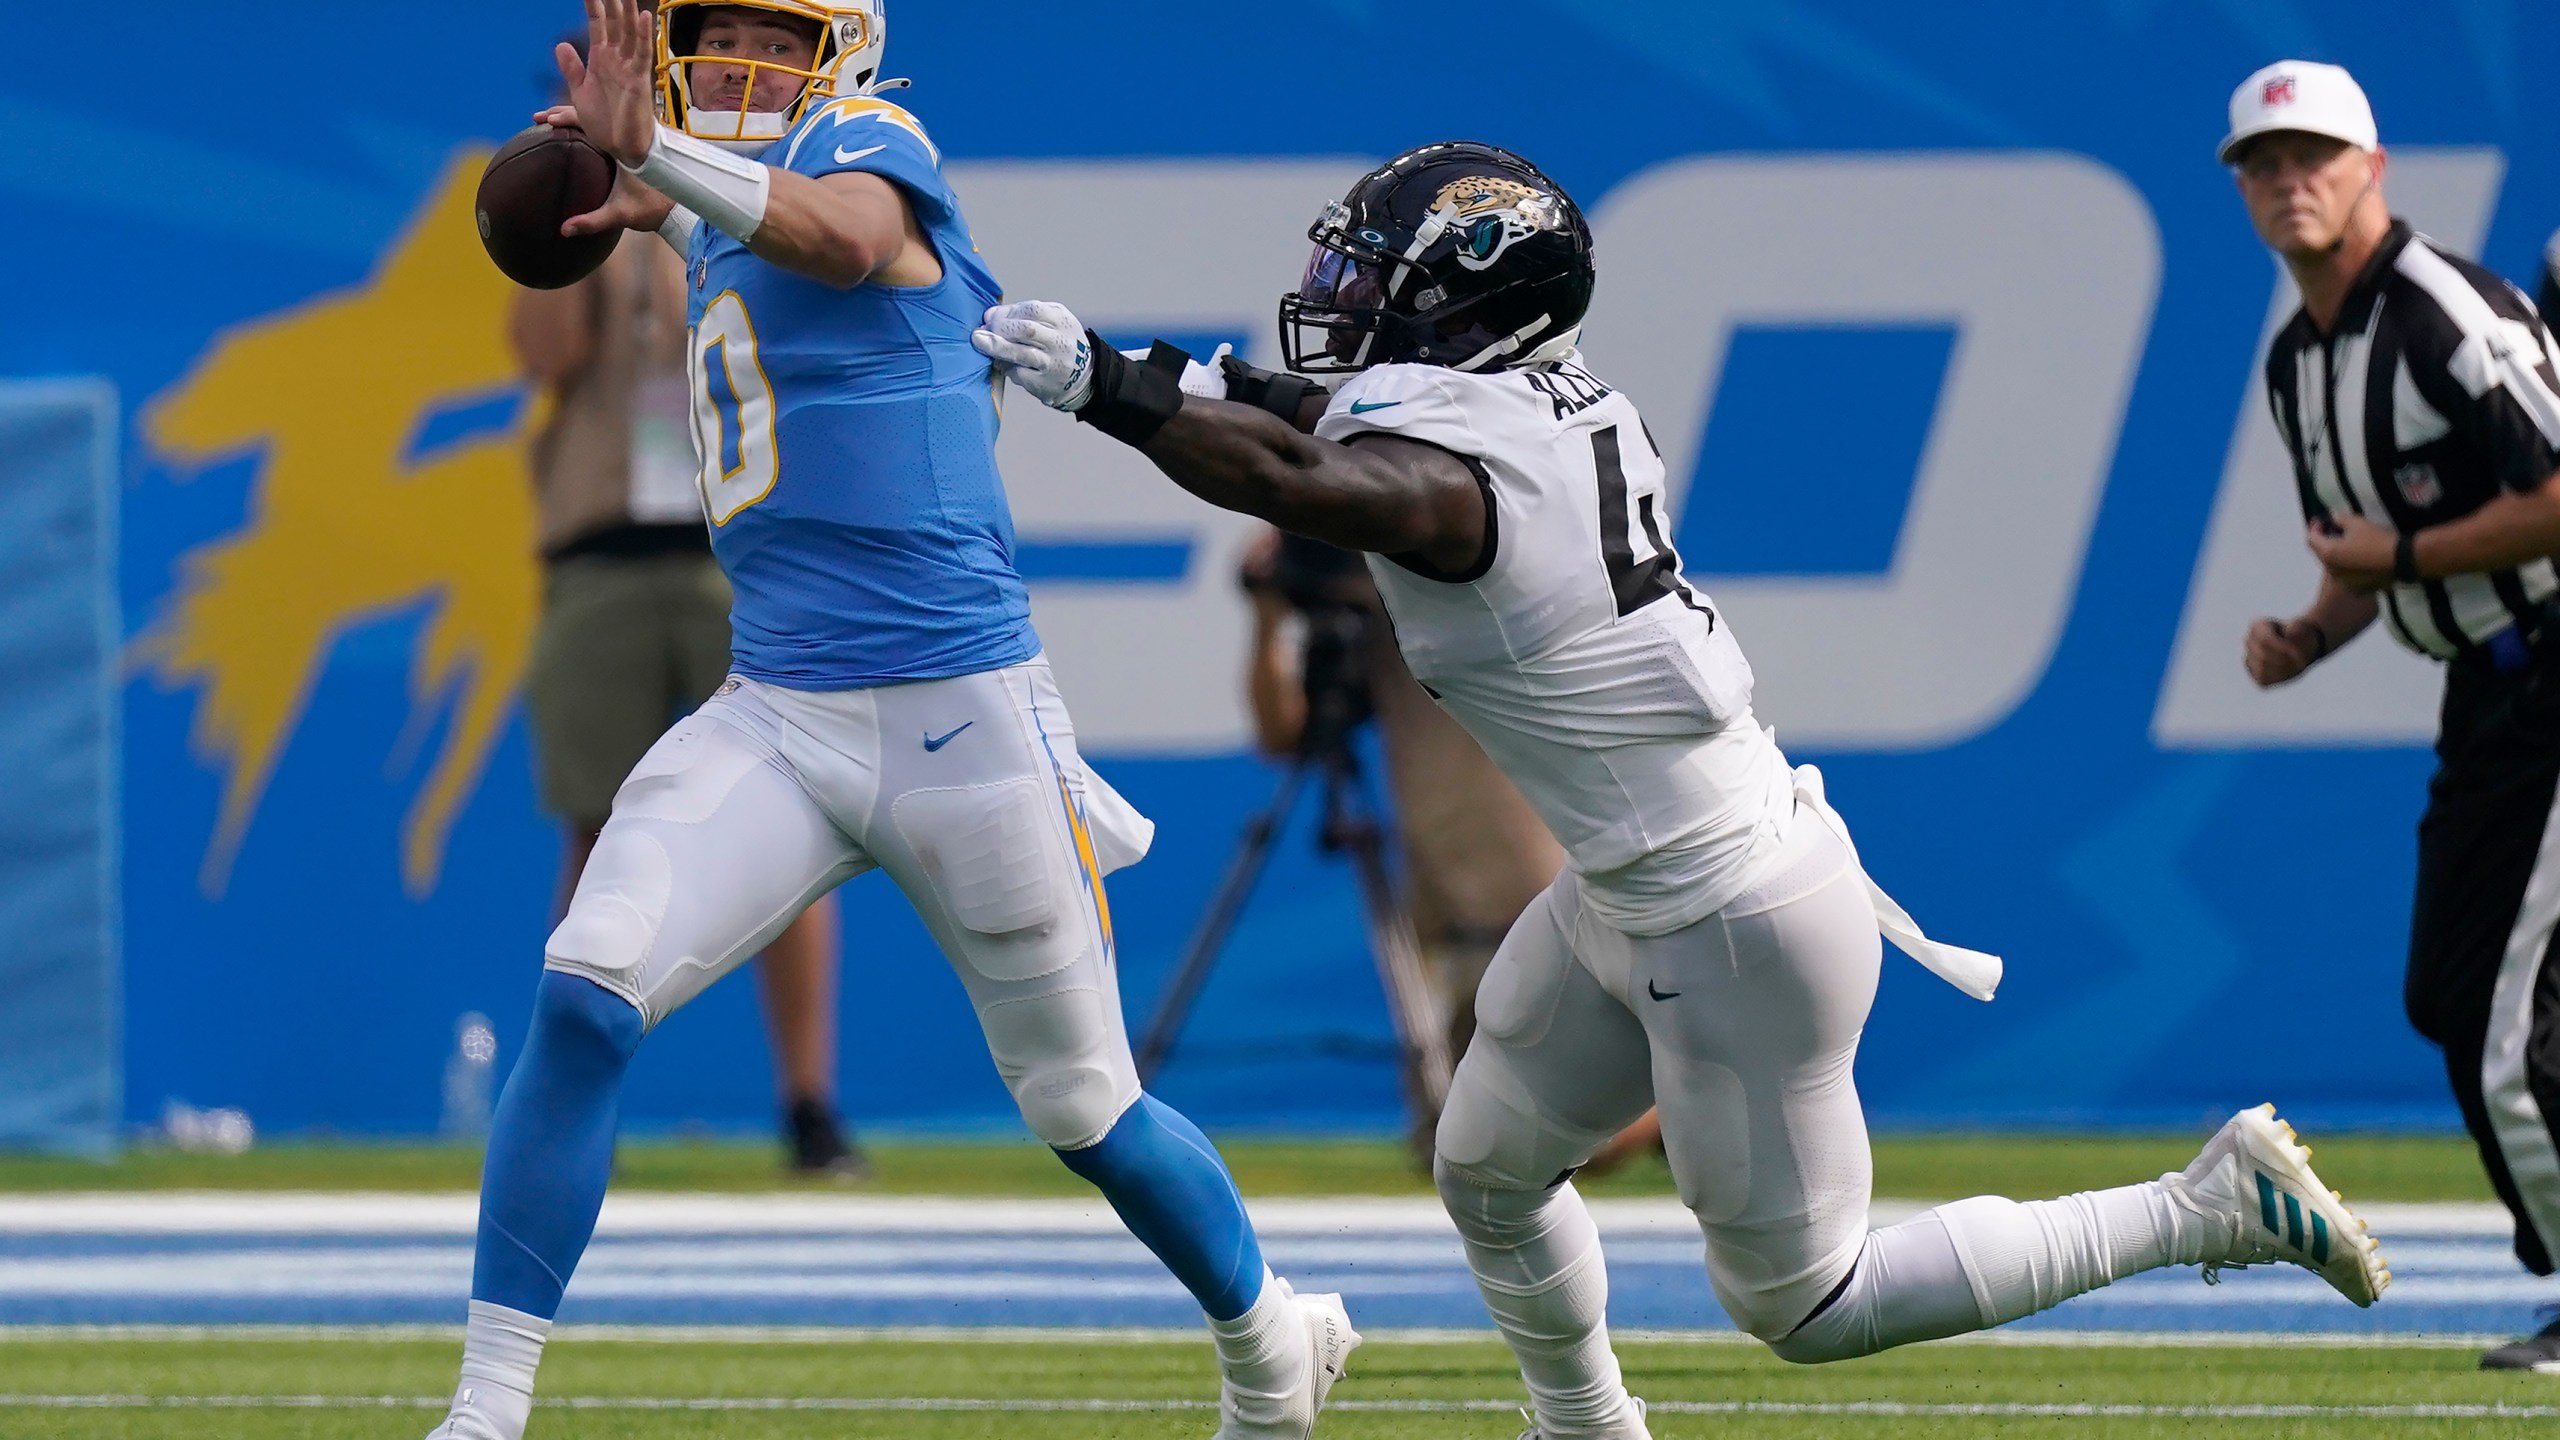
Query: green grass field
x=2369 y=1168
x=948 y=1390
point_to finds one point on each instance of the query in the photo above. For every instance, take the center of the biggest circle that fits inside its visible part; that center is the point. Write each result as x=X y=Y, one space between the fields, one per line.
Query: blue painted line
x=1399 y=1278
x=1104 y=562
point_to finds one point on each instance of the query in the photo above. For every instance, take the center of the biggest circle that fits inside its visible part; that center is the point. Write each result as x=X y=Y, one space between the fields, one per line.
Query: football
x=533 y=184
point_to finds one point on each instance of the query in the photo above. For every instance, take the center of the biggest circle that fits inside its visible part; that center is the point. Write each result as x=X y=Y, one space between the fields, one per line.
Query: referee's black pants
x=2483 y=983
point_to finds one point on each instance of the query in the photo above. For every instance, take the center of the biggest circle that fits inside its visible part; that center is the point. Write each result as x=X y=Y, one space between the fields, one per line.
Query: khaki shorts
x=627 y=646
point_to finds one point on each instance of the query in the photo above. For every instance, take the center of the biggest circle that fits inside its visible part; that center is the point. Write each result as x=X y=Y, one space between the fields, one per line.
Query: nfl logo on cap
x=2300 y=95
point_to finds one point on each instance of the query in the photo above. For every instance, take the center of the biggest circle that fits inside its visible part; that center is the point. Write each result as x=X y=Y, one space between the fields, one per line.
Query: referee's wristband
x=2404 y=559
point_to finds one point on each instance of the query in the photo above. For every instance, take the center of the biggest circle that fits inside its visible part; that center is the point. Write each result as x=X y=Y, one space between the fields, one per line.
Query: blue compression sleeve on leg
x=551 y=1145
x=1175 y=1195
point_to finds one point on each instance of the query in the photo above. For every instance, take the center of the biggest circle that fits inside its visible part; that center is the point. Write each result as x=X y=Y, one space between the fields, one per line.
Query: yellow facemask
x=852 y=35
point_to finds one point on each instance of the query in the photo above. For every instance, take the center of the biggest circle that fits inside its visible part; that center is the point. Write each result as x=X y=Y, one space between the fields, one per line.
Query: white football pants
x=968 y=791
x=1744 y=1029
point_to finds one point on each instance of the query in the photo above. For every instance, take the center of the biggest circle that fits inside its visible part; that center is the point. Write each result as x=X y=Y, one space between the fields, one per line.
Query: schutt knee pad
x=1063 y=1060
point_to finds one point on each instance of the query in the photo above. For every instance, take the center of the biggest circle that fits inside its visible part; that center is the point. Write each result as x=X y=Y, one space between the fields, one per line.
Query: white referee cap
x=2301 y=95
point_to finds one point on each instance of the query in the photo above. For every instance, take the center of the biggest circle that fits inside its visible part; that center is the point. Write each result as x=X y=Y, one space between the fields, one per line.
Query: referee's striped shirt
x=2437 y=388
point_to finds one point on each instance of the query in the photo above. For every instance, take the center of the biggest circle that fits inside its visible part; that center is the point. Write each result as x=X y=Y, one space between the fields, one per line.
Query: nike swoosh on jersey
x=1656 y=991
x=847 y=157
x=931 y=744
x=1363 y=407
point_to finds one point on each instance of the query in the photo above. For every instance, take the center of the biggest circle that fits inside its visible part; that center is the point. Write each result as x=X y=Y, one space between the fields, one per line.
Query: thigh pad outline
x=1494 y=1134
x=999 y=868
x=713 y=847
x=611 y=930
x=1524 y=983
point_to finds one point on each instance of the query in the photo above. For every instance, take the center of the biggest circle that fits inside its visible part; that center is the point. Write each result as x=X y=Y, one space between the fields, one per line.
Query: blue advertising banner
x=1946 y=322
x=58 y=843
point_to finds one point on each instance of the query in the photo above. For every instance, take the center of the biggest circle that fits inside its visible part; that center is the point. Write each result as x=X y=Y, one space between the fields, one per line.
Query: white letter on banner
x=1135 y=248
x=2048 y=265
x=2255 y=562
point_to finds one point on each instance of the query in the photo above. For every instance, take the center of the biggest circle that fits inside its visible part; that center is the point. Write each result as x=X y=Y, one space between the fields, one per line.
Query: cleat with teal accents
x=2254 y=1188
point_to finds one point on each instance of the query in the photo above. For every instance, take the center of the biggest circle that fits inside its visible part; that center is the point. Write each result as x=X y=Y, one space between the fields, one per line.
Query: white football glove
x=1040 y=346
x=1204 y=380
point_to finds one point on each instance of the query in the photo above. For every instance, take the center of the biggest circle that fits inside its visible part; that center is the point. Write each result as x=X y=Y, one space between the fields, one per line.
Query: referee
x=2417 y=393
x=2547 y=297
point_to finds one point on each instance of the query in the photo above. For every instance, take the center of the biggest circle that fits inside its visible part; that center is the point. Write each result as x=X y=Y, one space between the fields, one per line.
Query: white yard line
x=1032 y=1335
x=888 y=1404
x=315 y=1213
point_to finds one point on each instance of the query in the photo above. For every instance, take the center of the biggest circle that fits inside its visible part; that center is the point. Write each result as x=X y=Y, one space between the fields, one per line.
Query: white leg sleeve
x=2027 y=1257
x=1984 y=1262
x=1558 y=1067
x=1536 y=1257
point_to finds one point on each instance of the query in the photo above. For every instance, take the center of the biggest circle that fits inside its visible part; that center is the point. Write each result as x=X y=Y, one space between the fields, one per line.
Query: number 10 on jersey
x=732 y=411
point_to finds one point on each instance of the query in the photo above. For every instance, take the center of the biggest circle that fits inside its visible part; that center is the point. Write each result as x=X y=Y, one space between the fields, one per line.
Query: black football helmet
x=1455 y=254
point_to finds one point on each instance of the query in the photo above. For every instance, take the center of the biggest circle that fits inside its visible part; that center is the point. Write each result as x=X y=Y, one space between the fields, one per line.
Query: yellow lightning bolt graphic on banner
x=344 y=528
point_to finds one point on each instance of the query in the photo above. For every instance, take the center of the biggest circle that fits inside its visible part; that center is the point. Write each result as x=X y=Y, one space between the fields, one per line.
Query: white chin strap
x=1559 y=348
x=1503 y=348
x=1433 y=226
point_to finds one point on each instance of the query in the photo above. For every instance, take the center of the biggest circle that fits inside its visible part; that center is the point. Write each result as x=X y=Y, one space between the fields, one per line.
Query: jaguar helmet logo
x=1490 y=213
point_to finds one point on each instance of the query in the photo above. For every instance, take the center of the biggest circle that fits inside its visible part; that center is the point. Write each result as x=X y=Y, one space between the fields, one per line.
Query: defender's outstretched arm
x=1383 y=495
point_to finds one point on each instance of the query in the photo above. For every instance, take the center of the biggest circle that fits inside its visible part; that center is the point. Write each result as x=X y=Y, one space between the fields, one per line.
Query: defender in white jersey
x=1713 y=944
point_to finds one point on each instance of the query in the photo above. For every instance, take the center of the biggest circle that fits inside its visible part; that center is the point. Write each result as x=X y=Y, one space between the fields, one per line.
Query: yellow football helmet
x=852 y=34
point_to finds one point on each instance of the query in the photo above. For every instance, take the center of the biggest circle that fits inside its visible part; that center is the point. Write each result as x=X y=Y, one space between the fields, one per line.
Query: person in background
x=1474 y=853
x=2419 y=398
x=2547 y=293
x=635 y=616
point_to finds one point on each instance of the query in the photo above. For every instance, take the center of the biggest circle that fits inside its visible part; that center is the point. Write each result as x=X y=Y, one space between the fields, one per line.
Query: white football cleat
x=1628 y=1426
x=2254 y=1187
x=1249 y=1415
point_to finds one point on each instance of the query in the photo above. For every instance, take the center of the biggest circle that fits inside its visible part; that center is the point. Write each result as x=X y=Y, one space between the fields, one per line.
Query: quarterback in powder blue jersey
x=887 y=554
x=888 y=707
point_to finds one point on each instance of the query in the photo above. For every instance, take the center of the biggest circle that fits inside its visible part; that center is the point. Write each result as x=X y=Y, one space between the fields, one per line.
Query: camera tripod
x=1351 y=828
